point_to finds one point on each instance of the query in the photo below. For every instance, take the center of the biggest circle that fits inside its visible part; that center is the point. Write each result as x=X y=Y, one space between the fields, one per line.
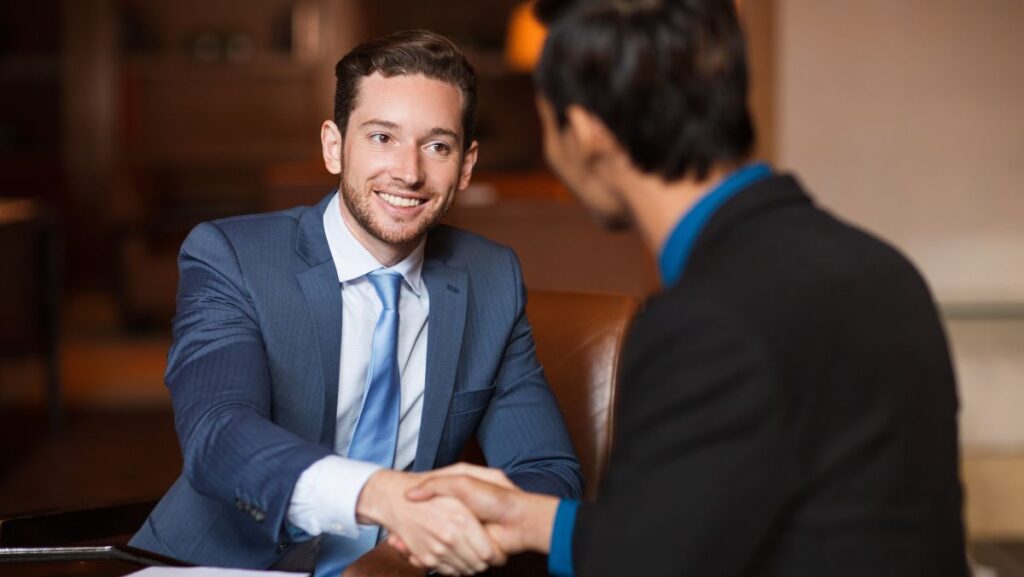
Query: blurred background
x=123 y=123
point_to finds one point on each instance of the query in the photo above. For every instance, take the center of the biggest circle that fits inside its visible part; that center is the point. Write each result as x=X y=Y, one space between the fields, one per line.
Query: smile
x=400 y=201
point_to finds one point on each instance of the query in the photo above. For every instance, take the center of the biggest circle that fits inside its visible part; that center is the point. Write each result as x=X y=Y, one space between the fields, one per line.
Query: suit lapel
x=323 y=301
x=320 y=288
x=448 y=290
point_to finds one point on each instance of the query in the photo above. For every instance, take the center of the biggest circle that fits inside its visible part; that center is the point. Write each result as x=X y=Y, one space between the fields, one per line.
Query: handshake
x=457 y=520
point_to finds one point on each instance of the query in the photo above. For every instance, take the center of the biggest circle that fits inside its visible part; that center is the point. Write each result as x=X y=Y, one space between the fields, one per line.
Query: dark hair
x=668 y=78
x=406 y=52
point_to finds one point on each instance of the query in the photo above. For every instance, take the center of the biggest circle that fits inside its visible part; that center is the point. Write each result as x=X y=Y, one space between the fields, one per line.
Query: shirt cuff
x=325 y=496
x=560 y=557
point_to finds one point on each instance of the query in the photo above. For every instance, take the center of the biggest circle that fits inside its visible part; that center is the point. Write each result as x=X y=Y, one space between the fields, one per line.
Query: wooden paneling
x=185 y=114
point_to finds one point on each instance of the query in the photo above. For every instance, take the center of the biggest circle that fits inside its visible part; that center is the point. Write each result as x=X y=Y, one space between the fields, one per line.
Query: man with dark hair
x=787 y=405
x=325 y=356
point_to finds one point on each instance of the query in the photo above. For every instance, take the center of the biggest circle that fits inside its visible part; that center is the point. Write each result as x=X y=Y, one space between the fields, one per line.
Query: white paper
x=209 y=572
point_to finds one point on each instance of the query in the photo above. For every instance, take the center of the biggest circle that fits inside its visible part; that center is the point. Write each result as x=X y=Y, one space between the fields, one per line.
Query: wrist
x=372 y=506
x=538 y=521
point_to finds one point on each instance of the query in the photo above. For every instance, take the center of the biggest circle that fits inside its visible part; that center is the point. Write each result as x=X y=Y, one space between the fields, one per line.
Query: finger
x=463 y=560
x=482 y=545
x=455 y=565
x=483 y=499
x=446 y=570
x=504 y=541
x=486 y=474
x=451 y=550
x=471 y=543
x=432 y=487
x=420 y=493
x=399 y=545
x=499 y=557
x=426 y=561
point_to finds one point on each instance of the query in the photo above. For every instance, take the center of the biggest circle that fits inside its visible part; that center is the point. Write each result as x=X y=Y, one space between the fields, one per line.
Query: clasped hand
x=460 y=519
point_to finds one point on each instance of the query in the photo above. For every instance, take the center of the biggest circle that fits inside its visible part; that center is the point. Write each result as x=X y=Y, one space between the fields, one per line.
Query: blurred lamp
x=525 y=38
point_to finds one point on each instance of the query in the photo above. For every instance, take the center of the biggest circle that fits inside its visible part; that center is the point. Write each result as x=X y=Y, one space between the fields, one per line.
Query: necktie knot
x=386 y=283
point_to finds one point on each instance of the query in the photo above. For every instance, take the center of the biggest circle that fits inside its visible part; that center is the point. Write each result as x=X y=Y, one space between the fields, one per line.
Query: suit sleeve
x=220 y=387
x=697 y=477
x=523 y=431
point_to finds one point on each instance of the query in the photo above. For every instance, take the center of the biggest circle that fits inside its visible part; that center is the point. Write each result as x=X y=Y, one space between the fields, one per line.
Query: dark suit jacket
x=787 y=408
x=253 y=375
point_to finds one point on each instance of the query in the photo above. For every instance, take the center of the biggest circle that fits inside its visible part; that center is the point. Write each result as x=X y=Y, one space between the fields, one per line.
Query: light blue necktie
x=376 y=432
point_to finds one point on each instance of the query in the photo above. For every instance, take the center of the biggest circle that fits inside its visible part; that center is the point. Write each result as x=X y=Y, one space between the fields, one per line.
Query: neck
x=657 y=205
x=387 y=254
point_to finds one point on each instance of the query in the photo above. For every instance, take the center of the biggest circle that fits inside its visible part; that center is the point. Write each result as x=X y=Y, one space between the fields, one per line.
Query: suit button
x=258 y=515
x=240 y=505
x=282 y=546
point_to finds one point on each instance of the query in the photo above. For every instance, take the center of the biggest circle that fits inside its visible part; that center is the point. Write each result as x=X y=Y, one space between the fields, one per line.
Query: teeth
x=399 y=200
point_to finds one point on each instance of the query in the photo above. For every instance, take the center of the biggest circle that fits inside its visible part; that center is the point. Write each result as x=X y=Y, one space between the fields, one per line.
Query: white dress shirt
x=325 y=496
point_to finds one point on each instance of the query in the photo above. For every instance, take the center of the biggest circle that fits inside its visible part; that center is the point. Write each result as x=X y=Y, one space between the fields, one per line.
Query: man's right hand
x=516 y=520
x=440 y=533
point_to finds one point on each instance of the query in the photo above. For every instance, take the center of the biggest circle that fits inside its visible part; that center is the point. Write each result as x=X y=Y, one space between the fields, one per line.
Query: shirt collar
x=353 y=261
x=676 y=252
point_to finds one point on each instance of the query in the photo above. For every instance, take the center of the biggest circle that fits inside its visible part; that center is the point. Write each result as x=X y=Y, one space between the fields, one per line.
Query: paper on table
x=209 y=572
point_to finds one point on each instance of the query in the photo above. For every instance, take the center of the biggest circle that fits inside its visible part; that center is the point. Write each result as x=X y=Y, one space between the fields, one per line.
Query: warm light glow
x=525 y=38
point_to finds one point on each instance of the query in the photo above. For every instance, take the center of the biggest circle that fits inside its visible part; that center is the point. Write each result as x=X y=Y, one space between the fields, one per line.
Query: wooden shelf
x=266 y=65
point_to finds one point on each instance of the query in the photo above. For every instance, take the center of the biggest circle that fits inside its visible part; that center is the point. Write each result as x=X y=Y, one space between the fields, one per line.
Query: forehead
x=412 y=102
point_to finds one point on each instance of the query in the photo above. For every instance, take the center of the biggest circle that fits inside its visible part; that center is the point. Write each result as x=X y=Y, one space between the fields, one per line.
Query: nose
x=408 y=167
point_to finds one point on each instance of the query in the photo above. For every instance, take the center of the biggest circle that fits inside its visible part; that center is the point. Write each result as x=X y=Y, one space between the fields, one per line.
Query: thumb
x=483 y=499
x=449 y=486
x=420 y=493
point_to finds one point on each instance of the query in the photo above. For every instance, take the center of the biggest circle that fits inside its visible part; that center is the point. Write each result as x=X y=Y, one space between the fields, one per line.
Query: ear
x=468 y=162
x=331 y=141
x=589 y=132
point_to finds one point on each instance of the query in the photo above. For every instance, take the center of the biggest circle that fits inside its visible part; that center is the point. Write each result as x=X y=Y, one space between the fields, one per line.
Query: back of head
x=407 y=52
x=667 y=77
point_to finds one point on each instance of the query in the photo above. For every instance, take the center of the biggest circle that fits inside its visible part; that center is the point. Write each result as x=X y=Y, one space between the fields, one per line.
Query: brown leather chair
x=578 y=337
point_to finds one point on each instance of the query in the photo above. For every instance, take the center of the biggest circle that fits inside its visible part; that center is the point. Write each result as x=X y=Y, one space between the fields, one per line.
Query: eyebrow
x=437 y=131
x=443 y=132
x=381 y=123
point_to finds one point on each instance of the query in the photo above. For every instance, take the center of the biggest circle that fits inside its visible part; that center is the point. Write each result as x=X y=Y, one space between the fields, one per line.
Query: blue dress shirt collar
x=676 y=252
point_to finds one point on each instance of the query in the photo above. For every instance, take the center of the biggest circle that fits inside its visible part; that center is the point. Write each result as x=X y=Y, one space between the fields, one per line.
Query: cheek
x=365 y=165
x=443 y=176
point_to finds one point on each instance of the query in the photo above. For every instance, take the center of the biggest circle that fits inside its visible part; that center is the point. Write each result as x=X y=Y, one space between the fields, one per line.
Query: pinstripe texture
x=253 y=375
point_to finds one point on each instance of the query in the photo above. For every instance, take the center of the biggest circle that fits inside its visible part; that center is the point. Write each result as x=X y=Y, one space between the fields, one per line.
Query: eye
x=380 y=138
x=440 y=148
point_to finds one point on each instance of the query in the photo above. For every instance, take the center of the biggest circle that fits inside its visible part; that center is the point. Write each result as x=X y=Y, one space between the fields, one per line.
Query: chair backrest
x=579 y=336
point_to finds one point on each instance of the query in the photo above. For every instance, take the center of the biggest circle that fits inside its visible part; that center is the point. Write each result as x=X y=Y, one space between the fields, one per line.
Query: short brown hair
x=403 y=53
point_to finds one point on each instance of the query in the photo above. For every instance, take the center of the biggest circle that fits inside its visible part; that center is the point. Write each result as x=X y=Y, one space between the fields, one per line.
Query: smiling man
x=324 y=357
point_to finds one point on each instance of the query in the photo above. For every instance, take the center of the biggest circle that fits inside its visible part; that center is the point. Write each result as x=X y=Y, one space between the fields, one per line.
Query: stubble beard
x=358 y=205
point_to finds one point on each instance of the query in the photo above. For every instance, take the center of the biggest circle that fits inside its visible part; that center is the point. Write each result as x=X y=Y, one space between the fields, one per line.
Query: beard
x=380 y=227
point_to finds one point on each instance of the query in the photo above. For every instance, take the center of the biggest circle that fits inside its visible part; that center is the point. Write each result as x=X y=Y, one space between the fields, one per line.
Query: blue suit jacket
x=253 y=375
